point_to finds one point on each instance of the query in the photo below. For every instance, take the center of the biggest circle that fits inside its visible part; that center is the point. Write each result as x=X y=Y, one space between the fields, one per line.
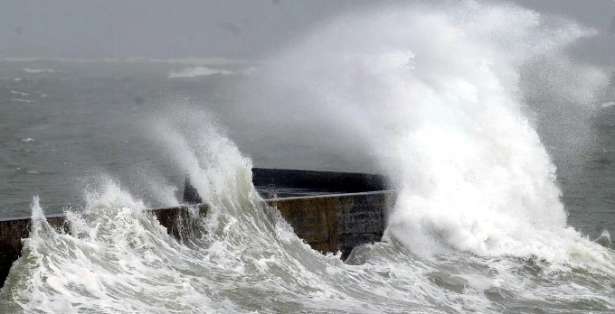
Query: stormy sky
x=224 y=28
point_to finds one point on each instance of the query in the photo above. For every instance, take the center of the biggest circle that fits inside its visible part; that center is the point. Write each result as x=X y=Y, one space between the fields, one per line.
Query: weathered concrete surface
x=340 y=222
x=328 y=223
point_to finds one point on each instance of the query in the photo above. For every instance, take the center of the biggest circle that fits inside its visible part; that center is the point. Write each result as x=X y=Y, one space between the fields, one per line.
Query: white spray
x=434 y=92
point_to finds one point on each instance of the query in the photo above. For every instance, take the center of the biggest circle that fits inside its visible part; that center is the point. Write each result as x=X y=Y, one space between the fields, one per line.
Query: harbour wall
x=328 y=223
x=330 y=211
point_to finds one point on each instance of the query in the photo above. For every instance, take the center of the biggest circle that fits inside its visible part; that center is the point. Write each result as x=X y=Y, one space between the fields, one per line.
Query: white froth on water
x=192 y=72
x=607 y=104
x=38 y=71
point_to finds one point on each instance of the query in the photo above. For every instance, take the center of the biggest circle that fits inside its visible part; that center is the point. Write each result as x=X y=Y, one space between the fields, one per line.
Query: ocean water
x=500 y=146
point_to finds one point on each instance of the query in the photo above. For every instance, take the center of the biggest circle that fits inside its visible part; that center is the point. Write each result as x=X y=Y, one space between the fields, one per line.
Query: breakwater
x=331 y=211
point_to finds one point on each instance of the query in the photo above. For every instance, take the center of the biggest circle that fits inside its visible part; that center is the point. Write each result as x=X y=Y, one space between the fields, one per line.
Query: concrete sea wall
x=331 y=223
x=327 y=222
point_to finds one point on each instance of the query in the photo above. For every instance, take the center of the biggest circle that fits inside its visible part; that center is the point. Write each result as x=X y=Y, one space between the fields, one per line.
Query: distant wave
x=38 y=71
x=22 y=100
x=608 y=104
x=198 y=71
x=19 y=93
x=19 y=96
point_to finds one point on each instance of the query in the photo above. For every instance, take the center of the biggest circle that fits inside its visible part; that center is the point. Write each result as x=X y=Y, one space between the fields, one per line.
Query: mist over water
x=441 y=98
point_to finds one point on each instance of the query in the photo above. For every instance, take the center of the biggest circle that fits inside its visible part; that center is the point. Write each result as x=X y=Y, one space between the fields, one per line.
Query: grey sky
x=225 y=28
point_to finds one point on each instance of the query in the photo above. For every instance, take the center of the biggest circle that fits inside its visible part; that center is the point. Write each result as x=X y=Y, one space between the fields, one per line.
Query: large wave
x=434 y=93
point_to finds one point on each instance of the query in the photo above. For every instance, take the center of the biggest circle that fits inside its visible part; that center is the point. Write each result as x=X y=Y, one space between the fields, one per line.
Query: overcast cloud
x=225 y=28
